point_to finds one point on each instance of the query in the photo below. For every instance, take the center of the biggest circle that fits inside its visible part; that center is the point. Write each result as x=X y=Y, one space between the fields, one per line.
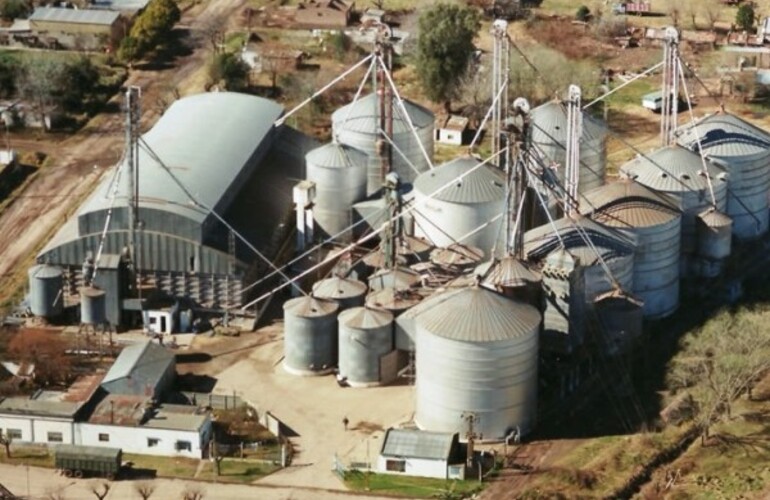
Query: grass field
x=408 y=486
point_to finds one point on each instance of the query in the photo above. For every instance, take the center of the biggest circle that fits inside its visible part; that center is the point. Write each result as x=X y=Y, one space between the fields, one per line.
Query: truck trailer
x=78 y=461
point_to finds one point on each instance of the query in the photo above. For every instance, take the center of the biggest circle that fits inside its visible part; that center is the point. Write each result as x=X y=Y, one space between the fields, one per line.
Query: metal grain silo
x=93 y=306
x=467 y=210
x=345 y=291
x=365 y=336
x=358 y=124
x=549 y=136
x=619 y=320
x=46 y=284
x=743 y=150
x=398 y=278
x=714 y=242
x=457 y=257
x=339 y=173
x=655 y=220
x=310 y=336
x=396 y=302
x=512 y=278
x=680 y=173
x=477 y=352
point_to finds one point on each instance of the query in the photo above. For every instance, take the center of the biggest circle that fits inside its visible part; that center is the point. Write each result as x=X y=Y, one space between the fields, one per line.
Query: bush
x=583 y=13
x=13 y=9
x=745 y=16
x=229 y=68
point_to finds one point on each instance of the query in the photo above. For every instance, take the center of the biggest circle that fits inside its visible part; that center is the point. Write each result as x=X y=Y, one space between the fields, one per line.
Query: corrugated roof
x=361 y=116
x=310 y=307
x=725 y=135
x=550 y=125
x=44 y=271
x=124 y=5
x=393 y=299
x=365 y=318
x=476 y=314
x=144 y=360
x=673 y=169
x=26 y=406
x=205 y=140
x=335 y=155
x=457 y=254
x=507 y=272
x=714 y=218
x=408 y=443
x=397 y=278
x=486 y=183
x=609 y=242
x=75 y=16
x=338 y=288
x=626 y=203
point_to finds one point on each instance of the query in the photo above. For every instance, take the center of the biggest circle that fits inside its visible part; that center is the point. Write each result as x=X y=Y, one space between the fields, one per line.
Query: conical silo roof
x=725 y=135
x=456 y=255
x=673 y=169
x=550 y=124
x=626 y=203
x=715 y=218
x=338 y=288
x=393 y=299
x=361 y=116
x=396 y=278
x=365 y=318
x=44 y=271
x=310 y=307
x=507 y=272
x=476 y=314
x=484 y=184
x=335 y=155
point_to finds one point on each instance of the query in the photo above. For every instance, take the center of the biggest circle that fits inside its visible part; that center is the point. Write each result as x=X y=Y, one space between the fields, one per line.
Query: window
x=14 y=433
x=183 y=446
x=55 y=437
x=104 y=438
x=152 y=442
x=395 y=465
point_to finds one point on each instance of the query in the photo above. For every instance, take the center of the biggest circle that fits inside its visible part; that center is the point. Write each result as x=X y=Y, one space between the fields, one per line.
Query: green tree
x=79 y=80
x=229 y=68
x=583 y=13
x=153 y=26
x=744 y=18
x=12 y=9
x=128 y=51
x=8 y=69
x=444 y=49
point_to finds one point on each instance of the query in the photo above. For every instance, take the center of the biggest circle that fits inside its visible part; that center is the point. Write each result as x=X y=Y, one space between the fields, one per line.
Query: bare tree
x=674 y=11
x=5 y=440
x=192 y=492
x=711 y=10
x=144 y=489
x=474 y=92
x=690 y=10
x=214 y=29
x=38 y=82
x=100 y=489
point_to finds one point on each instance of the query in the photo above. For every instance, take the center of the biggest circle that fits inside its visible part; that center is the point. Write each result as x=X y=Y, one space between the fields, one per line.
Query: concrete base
x=307 y=373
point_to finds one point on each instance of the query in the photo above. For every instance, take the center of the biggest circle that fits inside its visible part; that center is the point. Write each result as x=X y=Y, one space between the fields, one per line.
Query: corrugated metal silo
x=457 y=257
x=396 y=302
x=357 y=124
x=656 y=221
x=345 y=291
x=512 y=278
x=679 y=172
x=310 y=336
x=744 y=152
x=339 y=173
x=46 y=284
x=93 y=306
x=365 y=335
x=477 y=352
x=463 y=211
x=619 y=317
x=714 y=242
x=394 y=278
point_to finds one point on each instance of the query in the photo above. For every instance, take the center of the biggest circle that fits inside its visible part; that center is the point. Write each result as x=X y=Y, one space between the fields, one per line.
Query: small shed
x=142 y=369
x=453 y=131
x=421 y=453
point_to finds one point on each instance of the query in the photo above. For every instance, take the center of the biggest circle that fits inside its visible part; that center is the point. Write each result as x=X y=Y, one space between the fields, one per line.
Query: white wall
x=447 y=136
x=134 y=439
x=35 y=429
x=415 y=467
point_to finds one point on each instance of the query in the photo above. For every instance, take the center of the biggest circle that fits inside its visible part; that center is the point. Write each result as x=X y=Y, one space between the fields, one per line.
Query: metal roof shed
x=418 y=453
x=142 y=369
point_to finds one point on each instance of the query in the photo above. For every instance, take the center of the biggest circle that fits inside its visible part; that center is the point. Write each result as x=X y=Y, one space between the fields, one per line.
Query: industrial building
x=79 y=29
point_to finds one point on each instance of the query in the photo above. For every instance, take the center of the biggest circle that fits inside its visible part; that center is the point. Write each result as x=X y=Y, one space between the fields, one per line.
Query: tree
x=674 y=12
x=38 y=82
x=128 y=51
x=711 y=10
x=154 y=24
x=444 y=49
x=744 y=18
x=100 y=489
x=583 y=13
x=193 y=493
x=231 y=70
x=144 y=489
x=5 y=440
x=79 y=79
x=8 y=70
x=13 y=9
x=690 y=9
x=46 y=351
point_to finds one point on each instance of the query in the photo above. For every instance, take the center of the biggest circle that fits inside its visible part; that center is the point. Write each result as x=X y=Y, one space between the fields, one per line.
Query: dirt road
x=79 y=161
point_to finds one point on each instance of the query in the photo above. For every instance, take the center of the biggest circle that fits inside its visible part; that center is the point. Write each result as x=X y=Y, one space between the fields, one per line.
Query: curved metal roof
x=456 y=254
x=549 y=125
x=338 y=288
x=725 y=135
x=44 y=271
x=486 y=183
x=365 y=318
x=205 y=140
x=335 y=155
x=626 y=203
x=714 y=218
x=310 y=307
x=507 y=272
x=673 y=169
x=476 y=314
x=361 y=116
x=609 y=243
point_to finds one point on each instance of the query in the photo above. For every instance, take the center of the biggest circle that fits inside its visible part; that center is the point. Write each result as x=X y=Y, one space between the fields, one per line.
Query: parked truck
x=79 y=461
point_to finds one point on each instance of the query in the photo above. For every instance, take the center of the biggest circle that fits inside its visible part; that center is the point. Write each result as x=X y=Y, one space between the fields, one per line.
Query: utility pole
x=471 y=419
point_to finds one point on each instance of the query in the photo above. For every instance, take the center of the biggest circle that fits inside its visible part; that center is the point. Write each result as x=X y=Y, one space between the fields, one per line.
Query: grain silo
x=743 y=150
x=619 y=321
x=398 y=278
x=455 y=204
x=46 y=284
x=511 y=277
x=655 y=220
x=477 y=353
x=457 y=257
x=396 y=302
x=310 y=336
x=549 y=136
x=339 y=174
x=680 y=173
x=365 y=337
x=345 y=291
x=357 y=125
x=93 y=306
x=714 y=242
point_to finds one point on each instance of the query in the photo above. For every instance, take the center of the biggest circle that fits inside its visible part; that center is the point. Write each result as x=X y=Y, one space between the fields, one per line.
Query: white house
x=453 y=131
x=421 y=453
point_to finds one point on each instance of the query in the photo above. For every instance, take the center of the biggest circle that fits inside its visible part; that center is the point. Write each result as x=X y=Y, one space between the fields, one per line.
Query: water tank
x=549 y=134
x=310 y=336
x=714 y=242
x=743 y=150
x=365 y=335
x=357 y=125
x=93 y=306
x=345 y=291
x=45 y=290
x=467 y=210
x=680 y=173
x=457 y=257
x=619 y=319
x=477 y=352
x=339 y=173
x=398 y=278
x=655 y=220
x=396 y=302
